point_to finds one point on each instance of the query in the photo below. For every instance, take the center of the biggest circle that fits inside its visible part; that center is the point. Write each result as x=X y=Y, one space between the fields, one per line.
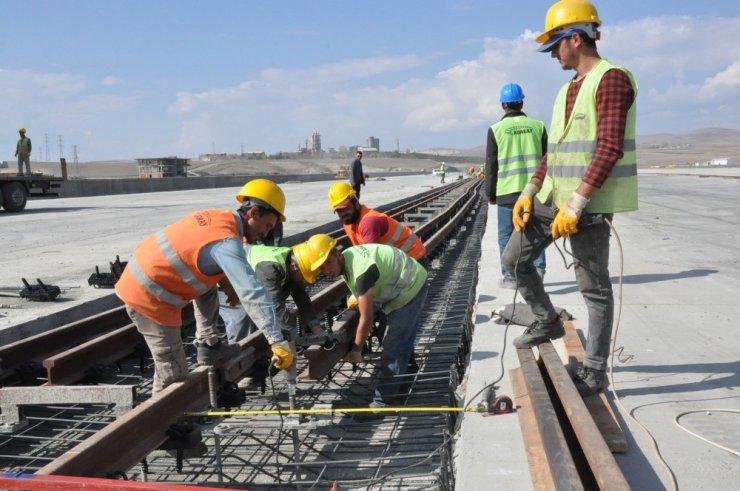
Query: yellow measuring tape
x=270 y=412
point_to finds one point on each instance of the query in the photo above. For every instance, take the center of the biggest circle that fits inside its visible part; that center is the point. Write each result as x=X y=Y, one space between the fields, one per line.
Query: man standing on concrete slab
x=23 y=152
x=356 y=174
x=588 y=174
x=364 y=225
x=183 y=263
x=378 y=276
x=514 y=147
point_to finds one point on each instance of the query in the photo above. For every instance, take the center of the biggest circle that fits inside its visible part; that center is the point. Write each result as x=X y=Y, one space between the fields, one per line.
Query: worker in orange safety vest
x=184 y=262
x=364 y=225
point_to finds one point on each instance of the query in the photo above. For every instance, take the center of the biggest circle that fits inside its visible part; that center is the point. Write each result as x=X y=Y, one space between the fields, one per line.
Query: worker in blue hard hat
x=514 y=147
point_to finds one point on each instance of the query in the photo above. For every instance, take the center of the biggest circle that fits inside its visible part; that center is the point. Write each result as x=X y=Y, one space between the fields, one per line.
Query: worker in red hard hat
x=588 y=174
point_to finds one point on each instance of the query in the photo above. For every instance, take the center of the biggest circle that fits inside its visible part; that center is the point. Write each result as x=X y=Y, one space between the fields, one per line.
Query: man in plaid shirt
x=588 y=174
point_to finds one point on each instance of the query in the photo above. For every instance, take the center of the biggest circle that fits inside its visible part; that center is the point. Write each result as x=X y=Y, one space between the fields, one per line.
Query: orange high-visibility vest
x=398 y=236
x=163 y=275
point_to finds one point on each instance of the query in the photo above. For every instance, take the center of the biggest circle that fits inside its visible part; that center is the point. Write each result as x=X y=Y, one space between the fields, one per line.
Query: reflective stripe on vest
x=153 y=287
x=177 y=264
x=572 y=145
x=397 y=235
x=519 y=143
x=400 y=277
x=163 y=275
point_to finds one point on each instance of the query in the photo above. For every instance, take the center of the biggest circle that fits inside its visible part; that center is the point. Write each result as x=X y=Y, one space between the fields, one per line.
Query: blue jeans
x=237 y=323
x=590 y=248
x=505 y=228
x=398 y=346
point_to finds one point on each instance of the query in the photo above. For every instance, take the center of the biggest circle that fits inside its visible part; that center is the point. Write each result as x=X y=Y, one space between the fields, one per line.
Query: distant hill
x=675 y=149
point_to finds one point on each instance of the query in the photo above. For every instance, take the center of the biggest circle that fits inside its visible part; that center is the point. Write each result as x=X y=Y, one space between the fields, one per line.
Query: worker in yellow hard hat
x=590 y=174
x=23 y=152
x=183 y=263
x=284 y=272
x=364 y=225
x=380 y=276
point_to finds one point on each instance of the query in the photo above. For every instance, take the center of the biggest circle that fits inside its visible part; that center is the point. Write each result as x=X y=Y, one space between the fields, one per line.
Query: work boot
x=507 y=282
x=211 y=351
x=539 y=332
x=372 y=415
x=589 y=381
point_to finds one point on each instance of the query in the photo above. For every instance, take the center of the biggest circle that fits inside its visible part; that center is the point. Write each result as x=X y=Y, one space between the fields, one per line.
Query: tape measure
x=501 y=405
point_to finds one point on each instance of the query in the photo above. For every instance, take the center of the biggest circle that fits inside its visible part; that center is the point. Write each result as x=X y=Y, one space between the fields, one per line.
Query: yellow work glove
x=523 y=207
x=354 y=355
x=282 y=354
x=566 y=221
x=352 y=303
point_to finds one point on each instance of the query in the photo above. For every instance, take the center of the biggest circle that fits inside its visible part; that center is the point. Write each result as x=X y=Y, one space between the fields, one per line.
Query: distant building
x=315 y=143
x=373 y=142
x=312 y=145
x=155 y=168
x=722 y=161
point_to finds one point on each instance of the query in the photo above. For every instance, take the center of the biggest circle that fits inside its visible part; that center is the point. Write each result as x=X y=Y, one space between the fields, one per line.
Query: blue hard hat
x=511 y=92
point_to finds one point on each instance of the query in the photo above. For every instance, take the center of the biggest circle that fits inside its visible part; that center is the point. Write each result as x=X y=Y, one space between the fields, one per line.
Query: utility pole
x=60 y=139
x=46 y=141
x=74 y=152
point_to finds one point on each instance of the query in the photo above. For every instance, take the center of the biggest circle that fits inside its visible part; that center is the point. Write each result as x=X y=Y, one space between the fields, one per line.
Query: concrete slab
x=678 y=331
x=678 y=326
x=61 y=241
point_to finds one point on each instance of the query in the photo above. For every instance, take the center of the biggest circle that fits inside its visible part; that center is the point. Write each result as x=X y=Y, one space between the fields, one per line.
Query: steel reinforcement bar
x=143 y=429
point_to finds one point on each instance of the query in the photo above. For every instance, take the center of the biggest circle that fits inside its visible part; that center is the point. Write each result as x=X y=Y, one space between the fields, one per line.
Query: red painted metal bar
x=34 y=482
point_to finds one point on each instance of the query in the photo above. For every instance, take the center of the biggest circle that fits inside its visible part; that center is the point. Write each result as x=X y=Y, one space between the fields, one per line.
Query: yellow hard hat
x=310 y=255
x=566 y=12
x=339 y=192
x=21 y=130
x=266 y=192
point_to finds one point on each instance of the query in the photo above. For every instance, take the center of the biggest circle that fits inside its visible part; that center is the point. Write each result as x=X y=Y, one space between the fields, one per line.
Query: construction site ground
x=677 y=333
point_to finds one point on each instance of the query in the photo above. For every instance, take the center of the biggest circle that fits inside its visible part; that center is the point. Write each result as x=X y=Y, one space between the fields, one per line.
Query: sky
x=131 y=79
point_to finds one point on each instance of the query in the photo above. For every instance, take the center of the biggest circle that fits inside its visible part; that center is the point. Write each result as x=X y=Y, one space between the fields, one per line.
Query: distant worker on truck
x=23 y=152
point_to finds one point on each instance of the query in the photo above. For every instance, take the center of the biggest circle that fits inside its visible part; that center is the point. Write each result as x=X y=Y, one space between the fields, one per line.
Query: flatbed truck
x=16 y=190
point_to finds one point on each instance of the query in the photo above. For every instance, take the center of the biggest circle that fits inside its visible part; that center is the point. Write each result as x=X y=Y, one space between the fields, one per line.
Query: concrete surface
x=678 y=330
x=61 y=240
x=678 y=325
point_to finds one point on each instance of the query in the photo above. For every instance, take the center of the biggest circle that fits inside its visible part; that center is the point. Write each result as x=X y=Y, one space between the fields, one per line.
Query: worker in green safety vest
x=514 y=147
x=386 y=277
x=284 y=273
x=588 y=174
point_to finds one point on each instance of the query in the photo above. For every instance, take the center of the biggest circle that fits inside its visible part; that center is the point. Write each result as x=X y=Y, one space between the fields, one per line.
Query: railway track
x=92 y=438
x=110 y=428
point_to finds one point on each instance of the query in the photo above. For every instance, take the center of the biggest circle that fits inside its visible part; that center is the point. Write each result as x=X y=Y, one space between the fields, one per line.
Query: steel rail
x=101 y=454
x=47 y=345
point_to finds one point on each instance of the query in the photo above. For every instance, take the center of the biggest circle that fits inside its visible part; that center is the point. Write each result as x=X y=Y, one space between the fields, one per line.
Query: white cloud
x=110 y=81
x=689 y=78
